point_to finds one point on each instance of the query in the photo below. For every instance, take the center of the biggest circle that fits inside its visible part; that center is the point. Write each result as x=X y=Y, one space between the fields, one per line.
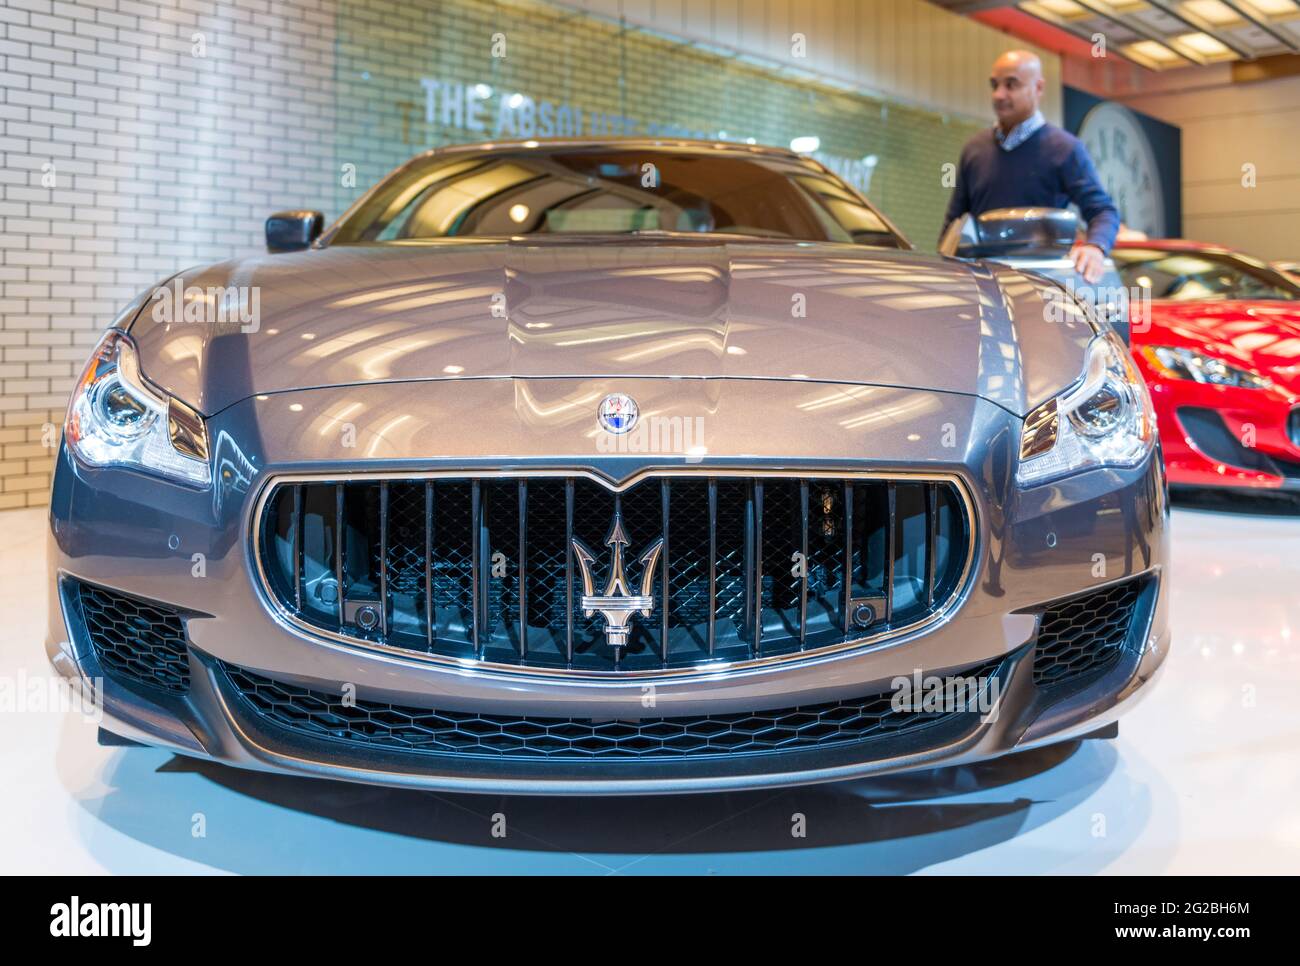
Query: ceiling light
x=1203 y=44
x=1216 y=13
x=1152 y=54
x=1275 y=8
x=1065 y=8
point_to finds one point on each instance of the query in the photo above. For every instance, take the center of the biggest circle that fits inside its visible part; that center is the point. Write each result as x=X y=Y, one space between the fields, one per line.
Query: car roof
x=1174 y=245
x=644 y=143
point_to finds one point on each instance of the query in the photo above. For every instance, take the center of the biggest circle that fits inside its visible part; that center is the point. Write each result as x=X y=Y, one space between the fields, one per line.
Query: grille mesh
x=135 y=639
x=434 y=566
x=324 y=715
x=1081 y=638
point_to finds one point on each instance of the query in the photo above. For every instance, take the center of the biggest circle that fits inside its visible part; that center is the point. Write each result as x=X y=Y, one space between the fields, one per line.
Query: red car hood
x=1263 y=336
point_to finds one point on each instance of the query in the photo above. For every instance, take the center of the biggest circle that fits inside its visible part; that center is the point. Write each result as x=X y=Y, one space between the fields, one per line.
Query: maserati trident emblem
x=618 y=604
x=617 y=413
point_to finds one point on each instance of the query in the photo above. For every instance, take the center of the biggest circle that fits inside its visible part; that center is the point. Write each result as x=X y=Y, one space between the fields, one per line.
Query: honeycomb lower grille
x=1081 y=638
x=324 y=715
x=135 y=640
x=728 y=568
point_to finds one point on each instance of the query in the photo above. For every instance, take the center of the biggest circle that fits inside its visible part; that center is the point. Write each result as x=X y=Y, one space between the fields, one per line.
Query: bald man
x=1023 y=161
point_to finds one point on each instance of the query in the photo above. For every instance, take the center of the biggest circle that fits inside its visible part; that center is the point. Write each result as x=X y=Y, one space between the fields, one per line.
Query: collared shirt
x=1020 y=133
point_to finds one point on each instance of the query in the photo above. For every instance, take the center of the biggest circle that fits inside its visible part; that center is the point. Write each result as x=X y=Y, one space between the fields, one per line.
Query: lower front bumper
x=213 y=720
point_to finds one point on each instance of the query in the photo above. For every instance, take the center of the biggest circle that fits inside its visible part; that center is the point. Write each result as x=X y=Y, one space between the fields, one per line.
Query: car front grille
x=326 y=715
x=135 y=640
x=1082 y=637
x=492 y=570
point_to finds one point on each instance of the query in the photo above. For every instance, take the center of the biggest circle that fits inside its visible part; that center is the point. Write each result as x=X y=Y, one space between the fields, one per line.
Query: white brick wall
x=160 y=159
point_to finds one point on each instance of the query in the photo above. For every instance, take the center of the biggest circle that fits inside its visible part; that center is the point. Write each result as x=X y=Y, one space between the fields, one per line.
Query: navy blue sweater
x=1050 y=169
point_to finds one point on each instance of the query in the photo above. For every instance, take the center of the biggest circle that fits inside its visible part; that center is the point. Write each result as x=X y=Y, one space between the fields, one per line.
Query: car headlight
x=116 y=418
x=1189 y=364
x=1105 y=419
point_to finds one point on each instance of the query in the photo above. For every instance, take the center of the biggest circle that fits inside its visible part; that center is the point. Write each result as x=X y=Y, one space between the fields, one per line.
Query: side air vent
x=135 y=640
x=1083 y=637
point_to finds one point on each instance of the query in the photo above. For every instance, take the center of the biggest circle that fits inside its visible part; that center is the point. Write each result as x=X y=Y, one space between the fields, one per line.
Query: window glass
x=606 y=190
x=1191 y=275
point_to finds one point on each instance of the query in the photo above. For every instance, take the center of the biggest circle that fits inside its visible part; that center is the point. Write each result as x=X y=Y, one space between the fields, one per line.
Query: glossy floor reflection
x=1205 y=776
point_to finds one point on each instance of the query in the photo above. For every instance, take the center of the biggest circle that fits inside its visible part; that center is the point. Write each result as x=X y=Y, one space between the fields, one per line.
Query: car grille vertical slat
x=434 y=557
x=476 y=565
x=297 y=547
x=931 y=539
x=713 y=565
x=664 y=581
x=890 y=549
x=618 y=513
x=745 y=624
x=340 y=523
x=523 y=570
x=568 y=571
x=758 y=568
x=430 y=624
x=383 y=558
x=803 y=564
x=846 y=573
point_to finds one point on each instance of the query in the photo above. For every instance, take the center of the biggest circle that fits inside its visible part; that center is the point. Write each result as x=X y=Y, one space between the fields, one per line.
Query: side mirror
x=960 y=234
x=1018 y=231
x=292 y=231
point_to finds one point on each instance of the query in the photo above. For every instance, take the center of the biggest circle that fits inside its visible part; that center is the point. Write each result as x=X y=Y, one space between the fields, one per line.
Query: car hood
x=1263 y=336
x=636 y=308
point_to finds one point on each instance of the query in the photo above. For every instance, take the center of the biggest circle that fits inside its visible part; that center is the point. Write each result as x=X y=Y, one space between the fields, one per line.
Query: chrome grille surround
x=953 y=582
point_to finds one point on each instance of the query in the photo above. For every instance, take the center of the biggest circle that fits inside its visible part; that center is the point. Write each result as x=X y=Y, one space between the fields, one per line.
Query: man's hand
x=1089 y=261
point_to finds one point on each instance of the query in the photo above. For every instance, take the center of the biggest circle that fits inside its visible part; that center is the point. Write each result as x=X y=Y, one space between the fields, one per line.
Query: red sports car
x=1221 y=355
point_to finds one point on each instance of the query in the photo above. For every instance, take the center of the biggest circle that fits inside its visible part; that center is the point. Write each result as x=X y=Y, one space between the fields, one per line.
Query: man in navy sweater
x=1024 y=161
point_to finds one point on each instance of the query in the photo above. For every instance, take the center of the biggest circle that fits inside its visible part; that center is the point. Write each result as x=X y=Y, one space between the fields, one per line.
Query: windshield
x=1193 y=276
x=613 y=191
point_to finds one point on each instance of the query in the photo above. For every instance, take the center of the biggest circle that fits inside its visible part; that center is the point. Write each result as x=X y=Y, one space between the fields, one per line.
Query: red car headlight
x=1174 y=363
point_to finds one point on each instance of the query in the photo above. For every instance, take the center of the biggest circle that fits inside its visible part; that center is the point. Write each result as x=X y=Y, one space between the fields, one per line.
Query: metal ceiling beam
x=1205 y=28
x=1138 y=29
x=1281 y=38
x=1081 y=34
x=967 y=7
